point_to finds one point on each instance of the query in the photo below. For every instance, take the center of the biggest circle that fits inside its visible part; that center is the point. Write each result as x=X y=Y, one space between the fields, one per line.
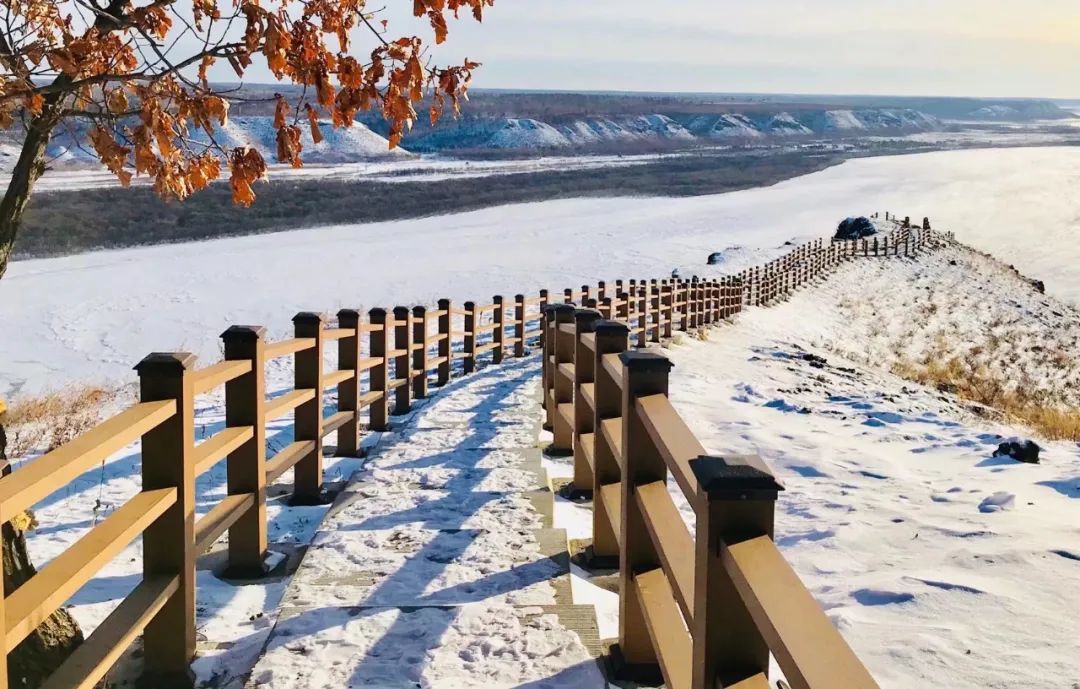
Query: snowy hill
x=563 y=132
x=69 y=146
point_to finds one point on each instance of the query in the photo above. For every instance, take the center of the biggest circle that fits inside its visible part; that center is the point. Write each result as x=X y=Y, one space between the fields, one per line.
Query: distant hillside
x=671 y=128
x=358 y=143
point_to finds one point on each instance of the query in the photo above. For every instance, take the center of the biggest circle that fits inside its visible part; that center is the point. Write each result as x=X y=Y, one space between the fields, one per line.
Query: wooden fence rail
x=604 y=404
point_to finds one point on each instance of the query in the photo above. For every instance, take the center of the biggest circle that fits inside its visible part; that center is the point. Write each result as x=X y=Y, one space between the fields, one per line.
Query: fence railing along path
x=605 y=405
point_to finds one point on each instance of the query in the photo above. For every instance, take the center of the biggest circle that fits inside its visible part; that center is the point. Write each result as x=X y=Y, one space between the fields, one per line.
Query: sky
x=1001 y=48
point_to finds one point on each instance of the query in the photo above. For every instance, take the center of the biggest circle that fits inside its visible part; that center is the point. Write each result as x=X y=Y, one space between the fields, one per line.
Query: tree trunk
x=27 y=171
x=53 y=641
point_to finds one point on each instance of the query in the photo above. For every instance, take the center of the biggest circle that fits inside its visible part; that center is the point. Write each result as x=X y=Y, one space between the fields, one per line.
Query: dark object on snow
x=814 y=360
x=716 y=257
x=926 y=223
x=855 y=228
x=1026 y=451
x=675 y=274
x=1039 y=286
x=952 y=262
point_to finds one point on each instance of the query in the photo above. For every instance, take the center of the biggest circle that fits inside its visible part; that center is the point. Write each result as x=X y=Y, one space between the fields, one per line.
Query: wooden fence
x=383 y=362
x=605 y=404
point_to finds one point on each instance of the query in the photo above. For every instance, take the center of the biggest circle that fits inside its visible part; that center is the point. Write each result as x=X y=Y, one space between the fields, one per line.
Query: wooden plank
x=669 y=635
x=614 y=367
x=371 y=327
x=287 y=347
x=335 y=421
x=566 y=370
x=481 y=329
x=395 y=353
x=368 y=397
x=217 y=521
x=367 y=363
x=587 y=441
x=589 y=340
x=212 y=450
x=671 y=539
x=612 y=430
x=568 y=328
x=436 y=362
x=566 y=410
x=806 y=645
x=286 y=458
x=611 y=496
x=93 y=659
x=588 y=395
x=334 y=378
x=488 y=347
x=280 y=406
x=334 y=334
x=211 y=377
x=36 y=480
x=33 y=602
x=675 y=442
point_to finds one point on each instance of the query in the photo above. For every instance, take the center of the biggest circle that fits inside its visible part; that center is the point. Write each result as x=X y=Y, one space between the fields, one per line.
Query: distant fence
x=606 y=405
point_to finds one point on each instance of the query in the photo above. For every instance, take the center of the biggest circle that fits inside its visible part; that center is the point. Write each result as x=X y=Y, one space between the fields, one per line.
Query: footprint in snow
x=874 y=597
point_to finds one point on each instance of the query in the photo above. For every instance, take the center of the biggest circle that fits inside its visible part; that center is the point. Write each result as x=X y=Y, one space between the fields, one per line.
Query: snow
x=429 y=572
x=941 y=564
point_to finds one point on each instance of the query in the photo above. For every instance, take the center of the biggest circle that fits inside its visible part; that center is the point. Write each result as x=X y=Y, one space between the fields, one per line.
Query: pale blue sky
x=916 y=47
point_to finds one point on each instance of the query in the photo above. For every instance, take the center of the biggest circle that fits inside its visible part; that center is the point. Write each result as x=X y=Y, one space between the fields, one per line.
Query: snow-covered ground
x=91 y=317
x=941 y=564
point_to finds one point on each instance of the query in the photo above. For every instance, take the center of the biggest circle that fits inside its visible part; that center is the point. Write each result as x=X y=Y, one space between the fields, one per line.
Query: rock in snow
x=1022 y=451
x=855 y=228
x=998 y=502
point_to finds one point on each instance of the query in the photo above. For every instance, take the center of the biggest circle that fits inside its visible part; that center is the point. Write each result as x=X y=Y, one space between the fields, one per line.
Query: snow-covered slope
x=69 y=146
x=810 y=122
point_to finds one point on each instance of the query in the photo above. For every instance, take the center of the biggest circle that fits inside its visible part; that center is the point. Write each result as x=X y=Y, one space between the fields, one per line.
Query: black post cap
x=735 y=477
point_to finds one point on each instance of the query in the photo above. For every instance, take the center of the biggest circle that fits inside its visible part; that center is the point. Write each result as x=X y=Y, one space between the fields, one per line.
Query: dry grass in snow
x=42 y=423
x=965 y=324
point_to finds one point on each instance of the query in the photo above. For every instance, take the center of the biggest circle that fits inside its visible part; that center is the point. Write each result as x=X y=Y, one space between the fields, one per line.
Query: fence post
x=307 y=423
x=544 y=301
x=611 y=338
x=519 y=325
x=622 y=308
x=584 y=373
x=547 y=353
x=379 y=374
x=562 y=386
x=606 y=308
x=568 y=296
x=168 y=461
x=403 y=361
x=643 y=315
x=668 y=311
x=471 y=322
x=245 y=404
x=420 y=352
x=446 y=318
x=741 y=497
x=644 y=373
x=499 y=335
x=348 y=391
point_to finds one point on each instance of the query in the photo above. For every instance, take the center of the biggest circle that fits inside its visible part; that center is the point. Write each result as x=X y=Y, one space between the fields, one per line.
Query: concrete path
x=437 y=567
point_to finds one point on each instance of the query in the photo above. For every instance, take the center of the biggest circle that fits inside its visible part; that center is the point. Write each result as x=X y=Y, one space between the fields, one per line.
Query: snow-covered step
x=438 y=565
